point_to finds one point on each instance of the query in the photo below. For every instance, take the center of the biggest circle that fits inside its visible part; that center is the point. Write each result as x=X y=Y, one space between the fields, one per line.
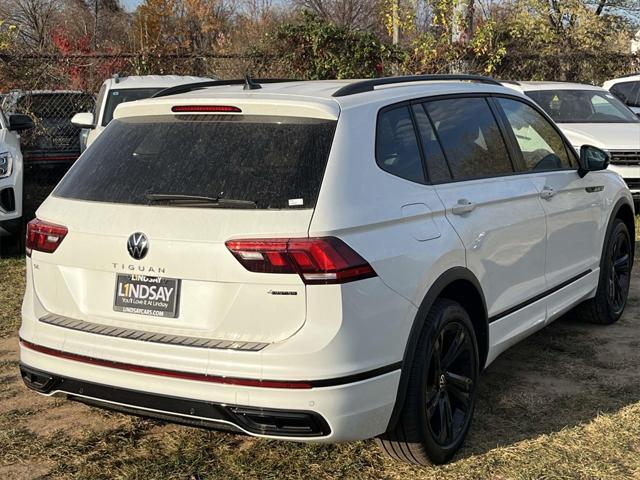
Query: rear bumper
x=344 y=412
x=234 y=418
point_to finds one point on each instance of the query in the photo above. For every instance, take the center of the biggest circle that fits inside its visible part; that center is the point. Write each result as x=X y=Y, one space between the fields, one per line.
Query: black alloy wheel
x=450 y=381
x=437 y=408
x=619 y=272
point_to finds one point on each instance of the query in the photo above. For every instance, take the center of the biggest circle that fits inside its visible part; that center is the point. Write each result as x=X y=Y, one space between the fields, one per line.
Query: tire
x=420 y=437
x=613 y=285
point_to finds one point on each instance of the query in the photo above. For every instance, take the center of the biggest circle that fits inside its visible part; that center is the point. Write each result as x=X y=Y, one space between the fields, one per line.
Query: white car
x=318 y=261
x=117 y=90
x=11 y=182
x=627 y=89
x=590 y=115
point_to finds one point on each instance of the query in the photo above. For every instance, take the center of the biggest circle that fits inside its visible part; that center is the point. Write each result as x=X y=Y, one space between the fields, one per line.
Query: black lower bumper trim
x=196 y=413
x=13 y=226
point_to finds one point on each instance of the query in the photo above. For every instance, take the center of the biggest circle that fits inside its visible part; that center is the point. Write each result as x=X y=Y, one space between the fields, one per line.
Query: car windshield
x=582 y=106
x=235 y=161
x=116 y=97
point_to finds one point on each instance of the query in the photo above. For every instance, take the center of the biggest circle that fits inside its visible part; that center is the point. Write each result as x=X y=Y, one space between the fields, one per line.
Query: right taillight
x=44 y=236
x=320 y=260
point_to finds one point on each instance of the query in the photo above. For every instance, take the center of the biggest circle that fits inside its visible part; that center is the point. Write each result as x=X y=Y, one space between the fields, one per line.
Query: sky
x=131 y=5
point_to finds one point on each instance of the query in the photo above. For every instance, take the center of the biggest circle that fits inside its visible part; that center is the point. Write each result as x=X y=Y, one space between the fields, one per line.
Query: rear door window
x=470 y=136
x=397 y=150
x=437 y=167
x=277 y=162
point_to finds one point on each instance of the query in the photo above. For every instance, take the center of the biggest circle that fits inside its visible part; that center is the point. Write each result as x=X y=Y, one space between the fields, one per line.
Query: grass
x=565 y=403
x=11 y=291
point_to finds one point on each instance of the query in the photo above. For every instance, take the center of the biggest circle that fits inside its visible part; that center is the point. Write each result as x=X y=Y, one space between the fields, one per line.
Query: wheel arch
x=623 y=210
x=458 y=284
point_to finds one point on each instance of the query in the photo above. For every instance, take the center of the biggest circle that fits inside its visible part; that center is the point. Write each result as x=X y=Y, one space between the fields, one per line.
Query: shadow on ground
x=563 y=375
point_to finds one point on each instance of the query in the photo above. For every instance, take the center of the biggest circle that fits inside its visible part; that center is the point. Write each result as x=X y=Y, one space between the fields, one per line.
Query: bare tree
x=354 y=14
x=33 y=18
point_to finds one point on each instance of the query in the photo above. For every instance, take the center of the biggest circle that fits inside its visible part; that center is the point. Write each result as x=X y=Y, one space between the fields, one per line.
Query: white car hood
x=609 y=136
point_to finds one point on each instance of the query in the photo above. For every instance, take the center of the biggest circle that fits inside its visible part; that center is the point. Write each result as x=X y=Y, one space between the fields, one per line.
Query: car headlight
x=6 y=164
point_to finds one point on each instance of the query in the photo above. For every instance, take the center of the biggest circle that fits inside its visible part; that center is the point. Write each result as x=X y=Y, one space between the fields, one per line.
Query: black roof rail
x=369 y=85
x=189 y=87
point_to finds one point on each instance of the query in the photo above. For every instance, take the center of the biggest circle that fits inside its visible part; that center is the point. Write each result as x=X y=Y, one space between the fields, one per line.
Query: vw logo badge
x=138 y=245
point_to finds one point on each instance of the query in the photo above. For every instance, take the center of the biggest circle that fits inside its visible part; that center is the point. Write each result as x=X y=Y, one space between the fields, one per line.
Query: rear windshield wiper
x=196 y=200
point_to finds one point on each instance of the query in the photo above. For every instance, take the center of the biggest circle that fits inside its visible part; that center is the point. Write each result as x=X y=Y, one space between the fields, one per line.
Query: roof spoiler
x=190 y=87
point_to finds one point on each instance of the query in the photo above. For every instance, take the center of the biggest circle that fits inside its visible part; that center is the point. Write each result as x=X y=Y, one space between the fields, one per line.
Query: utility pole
x=95 y=25
x=395 y=21
x=395 y=31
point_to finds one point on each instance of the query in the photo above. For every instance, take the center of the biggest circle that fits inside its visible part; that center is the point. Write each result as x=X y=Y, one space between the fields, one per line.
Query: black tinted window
x=277 y=162
x=116 y=97
x=470 y=137
x=397 y=149
x=541 y=145
x=628 y=92
x=437 y=168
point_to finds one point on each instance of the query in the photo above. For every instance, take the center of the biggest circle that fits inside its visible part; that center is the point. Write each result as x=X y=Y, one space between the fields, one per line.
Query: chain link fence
x=51 y=147
x=86 y=72
x=580 y=67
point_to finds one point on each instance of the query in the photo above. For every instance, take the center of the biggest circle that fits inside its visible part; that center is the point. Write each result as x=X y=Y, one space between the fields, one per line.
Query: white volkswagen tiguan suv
x=590 y=115
x=318 y=261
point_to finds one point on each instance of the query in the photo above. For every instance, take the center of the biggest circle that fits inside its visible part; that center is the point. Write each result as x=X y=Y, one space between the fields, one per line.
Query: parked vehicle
x=117 y=90
x=318 y=261
x=51 y=147
x=591 y=115
x=627 y=89
x=11 y=172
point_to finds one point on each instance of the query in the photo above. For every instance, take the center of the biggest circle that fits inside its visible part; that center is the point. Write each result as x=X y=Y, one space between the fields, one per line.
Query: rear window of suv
x=275 y=161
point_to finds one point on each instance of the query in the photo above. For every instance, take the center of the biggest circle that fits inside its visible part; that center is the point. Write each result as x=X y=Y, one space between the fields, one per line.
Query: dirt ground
x=564 y=403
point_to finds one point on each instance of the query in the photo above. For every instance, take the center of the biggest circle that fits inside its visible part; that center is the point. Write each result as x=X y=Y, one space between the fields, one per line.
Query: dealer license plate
x=143 y=295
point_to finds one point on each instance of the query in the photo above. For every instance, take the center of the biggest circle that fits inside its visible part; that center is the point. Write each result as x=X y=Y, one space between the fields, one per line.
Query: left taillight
x=44 y=236
x=320 y=260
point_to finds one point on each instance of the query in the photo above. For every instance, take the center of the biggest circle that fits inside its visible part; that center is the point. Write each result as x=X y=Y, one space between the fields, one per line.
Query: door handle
x=547 y=193
x=463 y=207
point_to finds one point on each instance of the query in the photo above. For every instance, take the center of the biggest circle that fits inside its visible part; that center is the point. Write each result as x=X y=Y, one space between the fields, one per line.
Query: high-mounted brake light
x=44 y=236
x=205 y=109
x=320 y=260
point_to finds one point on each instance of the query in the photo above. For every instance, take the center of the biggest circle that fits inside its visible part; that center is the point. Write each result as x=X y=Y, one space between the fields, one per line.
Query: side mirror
x=83 y=120
x=19 y=122
x=592 y=159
